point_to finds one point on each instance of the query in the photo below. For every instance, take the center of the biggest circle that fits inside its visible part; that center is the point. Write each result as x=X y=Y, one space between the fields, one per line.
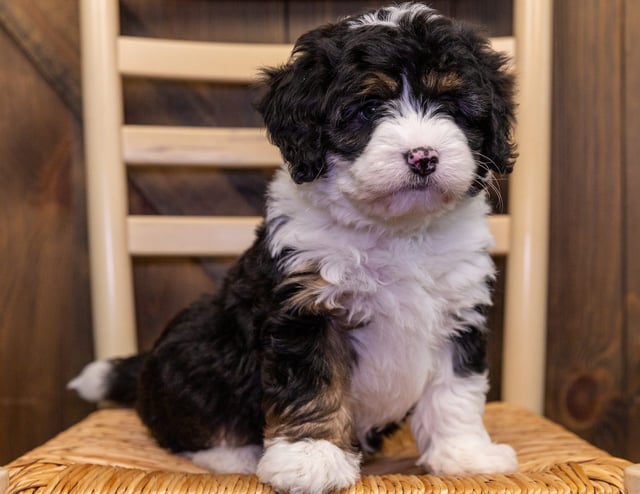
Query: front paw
x=307 y=467
x=460 y=457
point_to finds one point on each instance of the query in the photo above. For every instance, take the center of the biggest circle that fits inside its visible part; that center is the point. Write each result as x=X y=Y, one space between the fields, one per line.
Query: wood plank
x=190 y=236
x=166 y=285
x=229 y=147
x=632 y=224
x=244 y=21
x=226 y=235
x=495 y=15
x=585 y=369
x=222 y=62
x=44 y=303
x=500 y=225
x=235 y=63
x=304 y=16
x=47 y=33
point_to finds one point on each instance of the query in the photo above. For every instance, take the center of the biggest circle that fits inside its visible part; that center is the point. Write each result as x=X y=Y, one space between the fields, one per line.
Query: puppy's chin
x=398 y=201
x=407 y=203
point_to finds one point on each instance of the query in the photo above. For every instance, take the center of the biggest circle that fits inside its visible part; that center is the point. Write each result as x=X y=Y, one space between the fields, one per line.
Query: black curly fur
x=309 y=102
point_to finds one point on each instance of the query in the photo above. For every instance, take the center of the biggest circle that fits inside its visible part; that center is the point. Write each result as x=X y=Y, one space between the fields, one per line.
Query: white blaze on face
x=381 y=182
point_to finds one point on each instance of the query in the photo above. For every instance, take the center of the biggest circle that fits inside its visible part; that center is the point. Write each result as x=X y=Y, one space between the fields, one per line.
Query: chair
x=110 y=451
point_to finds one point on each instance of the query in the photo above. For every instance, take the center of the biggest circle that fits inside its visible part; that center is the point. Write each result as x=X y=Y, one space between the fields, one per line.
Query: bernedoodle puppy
x=362 y=301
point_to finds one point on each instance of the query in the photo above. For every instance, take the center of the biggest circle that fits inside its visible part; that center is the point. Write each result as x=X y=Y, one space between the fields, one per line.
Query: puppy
x=362 y=301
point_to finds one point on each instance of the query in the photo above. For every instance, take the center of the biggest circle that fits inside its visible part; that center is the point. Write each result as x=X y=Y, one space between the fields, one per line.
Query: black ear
x=498 y=146
x=293 y=105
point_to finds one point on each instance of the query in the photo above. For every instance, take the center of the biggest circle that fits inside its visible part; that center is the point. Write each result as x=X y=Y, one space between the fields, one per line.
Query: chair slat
x=222 y=146
x=213 y=61
x=171 y=59
x=190 y=235
x=505 y=44
x=500 y=225
x=227 y=235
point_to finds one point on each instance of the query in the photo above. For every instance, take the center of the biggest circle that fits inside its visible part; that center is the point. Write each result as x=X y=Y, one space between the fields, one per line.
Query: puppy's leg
x=308 y=434
x=448 y=427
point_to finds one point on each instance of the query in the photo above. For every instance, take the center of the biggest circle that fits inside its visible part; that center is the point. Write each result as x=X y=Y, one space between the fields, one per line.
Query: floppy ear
x=293 y=105
x=498 y=146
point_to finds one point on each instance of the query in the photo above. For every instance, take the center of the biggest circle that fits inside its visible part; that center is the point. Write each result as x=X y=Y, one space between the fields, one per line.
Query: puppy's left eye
x=369 y=111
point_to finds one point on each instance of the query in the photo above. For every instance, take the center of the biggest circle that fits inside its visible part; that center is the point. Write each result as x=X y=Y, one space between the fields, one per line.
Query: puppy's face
x=401 y=110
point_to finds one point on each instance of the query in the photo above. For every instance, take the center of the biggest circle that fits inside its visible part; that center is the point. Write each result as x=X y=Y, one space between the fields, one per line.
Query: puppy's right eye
x=369 y=111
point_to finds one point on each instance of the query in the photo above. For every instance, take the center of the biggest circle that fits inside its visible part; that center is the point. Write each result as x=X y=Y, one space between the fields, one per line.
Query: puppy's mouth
x=427 y=190
x=421 y=184
x=429 y=185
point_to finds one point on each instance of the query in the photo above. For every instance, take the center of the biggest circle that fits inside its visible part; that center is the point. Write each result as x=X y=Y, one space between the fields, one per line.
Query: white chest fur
x=405 y=290
x=425 y=285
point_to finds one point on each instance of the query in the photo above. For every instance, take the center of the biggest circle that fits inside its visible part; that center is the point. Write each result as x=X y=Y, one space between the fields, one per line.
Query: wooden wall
x=592 y=366
x=594 y=311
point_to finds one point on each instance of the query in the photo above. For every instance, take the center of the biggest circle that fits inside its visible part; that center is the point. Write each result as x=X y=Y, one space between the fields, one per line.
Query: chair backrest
x=110 y=146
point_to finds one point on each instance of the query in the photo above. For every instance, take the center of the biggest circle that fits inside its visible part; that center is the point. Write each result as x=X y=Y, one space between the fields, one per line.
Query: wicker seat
x=111 y=452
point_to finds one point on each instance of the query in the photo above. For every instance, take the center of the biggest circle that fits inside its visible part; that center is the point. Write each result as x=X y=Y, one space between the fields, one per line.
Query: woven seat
x=112 y=452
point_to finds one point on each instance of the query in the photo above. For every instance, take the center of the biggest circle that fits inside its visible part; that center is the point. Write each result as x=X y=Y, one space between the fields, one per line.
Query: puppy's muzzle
x=422 y=161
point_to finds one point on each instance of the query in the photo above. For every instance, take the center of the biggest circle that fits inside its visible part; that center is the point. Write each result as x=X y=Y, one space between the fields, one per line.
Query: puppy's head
x=402 y=109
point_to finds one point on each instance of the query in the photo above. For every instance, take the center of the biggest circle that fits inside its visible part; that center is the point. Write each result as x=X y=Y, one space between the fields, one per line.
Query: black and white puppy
x=362 y=301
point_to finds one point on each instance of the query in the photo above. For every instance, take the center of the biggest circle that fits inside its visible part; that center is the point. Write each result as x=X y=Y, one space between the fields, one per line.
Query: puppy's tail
x=112 y=380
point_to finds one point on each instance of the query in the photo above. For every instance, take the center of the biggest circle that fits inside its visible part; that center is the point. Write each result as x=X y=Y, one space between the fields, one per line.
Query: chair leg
x=632 y=479
x=4 y=480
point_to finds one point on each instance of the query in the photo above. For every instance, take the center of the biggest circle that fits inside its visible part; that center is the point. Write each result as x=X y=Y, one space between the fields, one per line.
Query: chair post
x=523 y=373
x=4 y=480
x=632 y=479
x=111 y=278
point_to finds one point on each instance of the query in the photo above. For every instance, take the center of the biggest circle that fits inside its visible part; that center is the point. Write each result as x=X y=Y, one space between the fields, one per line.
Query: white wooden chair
x=111 y=146
x=116 y=236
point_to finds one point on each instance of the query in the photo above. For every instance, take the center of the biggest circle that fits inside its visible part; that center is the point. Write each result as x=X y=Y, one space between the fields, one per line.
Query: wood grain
x=585 y=344
x=495 y=15
x=203 y=20
x=48 y=36
x=632 y=224
x=44 y=307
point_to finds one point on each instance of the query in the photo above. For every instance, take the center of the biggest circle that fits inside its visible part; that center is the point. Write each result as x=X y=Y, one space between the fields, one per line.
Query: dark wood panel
x=44 y=307
x=206 y=20
x=304 y=16
x=632 y=222
x=495 y=15
x=48 y=34
x=585 y=344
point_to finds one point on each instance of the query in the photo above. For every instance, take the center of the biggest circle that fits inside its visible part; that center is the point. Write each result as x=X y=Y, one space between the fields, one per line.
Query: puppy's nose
x=422 y=161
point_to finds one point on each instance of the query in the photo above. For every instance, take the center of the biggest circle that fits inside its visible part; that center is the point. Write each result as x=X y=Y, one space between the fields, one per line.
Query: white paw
x=92 y=383
x=307 y=467
x=469 y=457
x=225 y=459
